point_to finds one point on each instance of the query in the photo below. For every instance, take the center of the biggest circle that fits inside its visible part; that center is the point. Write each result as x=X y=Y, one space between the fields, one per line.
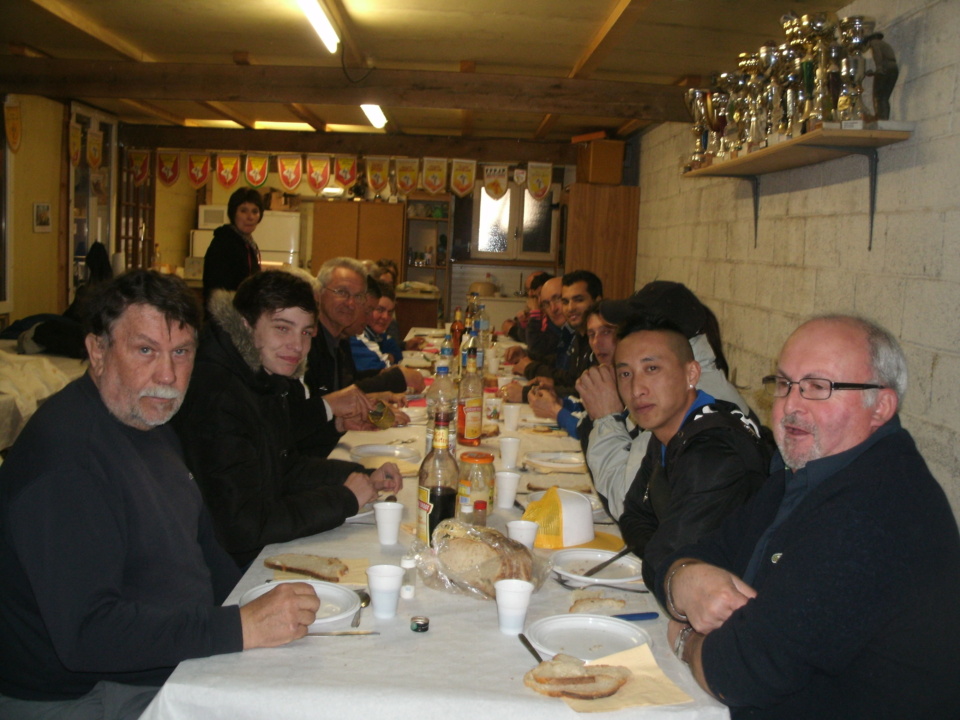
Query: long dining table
x=462 y=667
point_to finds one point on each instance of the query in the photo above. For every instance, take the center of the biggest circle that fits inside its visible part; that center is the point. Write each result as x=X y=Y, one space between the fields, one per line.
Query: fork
x=562 y=581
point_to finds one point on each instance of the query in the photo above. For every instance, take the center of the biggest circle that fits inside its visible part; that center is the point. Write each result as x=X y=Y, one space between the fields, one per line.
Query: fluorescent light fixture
x=321 y=23
x=271 y=125
x=374 y=115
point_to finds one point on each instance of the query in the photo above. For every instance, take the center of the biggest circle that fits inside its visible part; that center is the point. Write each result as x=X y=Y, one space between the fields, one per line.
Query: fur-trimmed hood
x=223 y=313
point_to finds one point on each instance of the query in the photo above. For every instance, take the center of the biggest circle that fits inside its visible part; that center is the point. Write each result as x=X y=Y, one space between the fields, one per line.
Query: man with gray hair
x=829 y=593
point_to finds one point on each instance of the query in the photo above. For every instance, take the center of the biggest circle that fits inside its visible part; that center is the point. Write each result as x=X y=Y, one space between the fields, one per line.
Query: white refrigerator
x=277 y=236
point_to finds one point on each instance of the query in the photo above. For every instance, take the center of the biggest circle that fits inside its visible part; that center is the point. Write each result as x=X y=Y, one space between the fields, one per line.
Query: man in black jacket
x=705 y=458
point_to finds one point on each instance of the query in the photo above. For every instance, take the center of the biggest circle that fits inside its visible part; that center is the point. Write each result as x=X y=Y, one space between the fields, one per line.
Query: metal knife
x=638 y=616
x=342 y=632
x=597 y=568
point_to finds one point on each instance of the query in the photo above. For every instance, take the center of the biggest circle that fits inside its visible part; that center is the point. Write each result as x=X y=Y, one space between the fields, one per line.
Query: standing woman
x=233 y=254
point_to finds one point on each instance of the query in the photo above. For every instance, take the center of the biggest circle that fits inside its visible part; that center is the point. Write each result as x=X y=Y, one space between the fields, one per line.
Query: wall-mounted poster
x=41 y=218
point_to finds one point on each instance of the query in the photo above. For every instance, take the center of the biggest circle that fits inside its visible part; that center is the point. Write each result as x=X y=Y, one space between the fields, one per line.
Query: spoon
x=364 y=601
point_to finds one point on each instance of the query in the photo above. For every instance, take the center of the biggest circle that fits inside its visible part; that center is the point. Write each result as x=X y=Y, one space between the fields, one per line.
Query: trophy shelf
x=814 y=147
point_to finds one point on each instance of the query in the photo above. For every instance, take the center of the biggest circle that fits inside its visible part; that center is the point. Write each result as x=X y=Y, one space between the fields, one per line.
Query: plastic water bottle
x=442 y=395
x=446 y=350
x=483 y=330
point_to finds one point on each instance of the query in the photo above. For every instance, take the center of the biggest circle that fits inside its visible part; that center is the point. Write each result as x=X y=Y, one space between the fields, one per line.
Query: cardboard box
x=600 y=162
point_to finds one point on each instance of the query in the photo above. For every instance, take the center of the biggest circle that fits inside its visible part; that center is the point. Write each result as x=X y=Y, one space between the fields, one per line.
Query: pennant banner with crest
x=94 y=149
x=318 y=172
x=13 y=124
x=168 y=167
x=198 y=170
x=463 y=177
x=139 y=166
x=539 y=176
x=378 y=173
x=407 y=171
x=345 y=170
x=228 y=170
x=495 y=182
x=290 y=170
x=76 y=143
x=257 y=170
x=434 y=175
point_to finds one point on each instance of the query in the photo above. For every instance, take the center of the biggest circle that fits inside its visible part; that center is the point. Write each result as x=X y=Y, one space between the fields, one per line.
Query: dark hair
x=711 y=328
x=539 y=280
x=272 y=290
x=653 y=323
x=386 y=265
x=594 y=309
x=374 y=287
x=241 y=196
x=97 y=263
x=594 y=284
x=387 y=291
x=167 y=293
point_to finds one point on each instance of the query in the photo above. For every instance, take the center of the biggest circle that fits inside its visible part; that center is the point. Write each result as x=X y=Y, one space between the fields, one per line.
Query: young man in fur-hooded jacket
x=236 y=428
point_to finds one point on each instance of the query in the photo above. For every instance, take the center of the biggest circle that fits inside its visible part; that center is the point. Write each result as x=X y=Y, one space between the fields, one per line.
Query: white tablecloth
x=462 y=668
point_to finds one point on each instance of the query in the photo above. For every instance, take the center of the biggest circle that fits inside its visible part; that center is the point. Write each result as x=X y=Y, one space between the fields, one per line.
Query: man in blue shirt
x=830 y=593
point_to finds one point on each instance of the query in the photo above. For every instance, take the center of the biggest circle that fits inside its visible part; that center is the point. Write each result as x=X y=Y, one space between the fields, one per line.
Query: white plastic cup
x=388 y=516
x=506 y=485
x=493 y=364
x=509 y=452
x=523 y=531
x=513 y=599
x=511 y=416
x=384 y=582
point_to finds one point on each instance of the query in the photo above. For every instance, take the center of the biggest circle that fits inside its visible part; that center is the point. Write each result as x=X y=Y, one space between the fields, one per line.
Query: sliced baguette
x=597 y=605
x=567 y=676
x=315 y=566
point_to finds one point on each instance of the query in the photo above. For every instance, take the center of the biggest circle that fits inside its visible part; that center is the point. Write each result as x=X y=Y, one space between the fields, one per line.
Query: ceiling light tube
x=317 y=16
x=374 y=115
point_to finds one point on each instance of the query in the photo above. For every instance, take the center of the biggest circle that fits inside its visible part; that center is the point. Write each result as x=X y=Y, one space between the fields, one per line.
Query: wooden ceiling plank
x=308 y=116
x=155 y=111
x=545 y=126
x=353 y=56
x=466 y=116
x=84 y=24
x=618 y=24
x=278 y=141
x=630 y=127
x=227 y=112
x=388 y=88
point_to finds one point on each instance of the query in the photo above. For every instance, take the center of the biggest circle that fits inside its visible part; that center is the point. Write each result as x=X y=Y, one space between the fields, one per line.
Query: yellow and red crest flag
x=290 y=169
x=463 y=176
x=434 y=175
x=94 y=149
x=257 y=170
x=198 y=169
x=345 y=170
x=76 y=142
x=228 y=170
x=495 y=180
x=378 y=173
x=407 y=171
x=318 y=172
x=539 y=176
x=139 y=166
x=13 y=124
x=168 y=167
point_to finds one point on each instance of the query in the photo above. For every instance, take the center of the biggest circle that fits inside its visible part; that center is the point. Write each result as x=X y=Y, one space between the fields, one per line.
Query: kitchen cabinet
x=362 y=230
x=600 y=231
x=427 y=250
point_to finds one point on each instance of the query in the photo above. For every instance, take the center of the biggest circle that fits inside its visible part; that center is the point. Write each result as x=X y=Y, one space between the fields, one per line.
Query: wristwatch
x=681 y=643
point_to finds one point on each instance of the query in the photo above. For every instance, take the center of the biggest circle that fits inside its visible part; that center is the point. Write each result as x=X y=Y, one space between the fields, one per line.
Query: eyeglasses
x=811 y=388
x=345 y=294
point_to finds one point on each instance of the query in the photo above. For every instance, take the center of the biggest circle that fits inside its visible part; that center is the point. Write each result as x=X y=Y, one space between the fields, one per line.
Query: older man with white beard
x=830 y=594
x=111 y=572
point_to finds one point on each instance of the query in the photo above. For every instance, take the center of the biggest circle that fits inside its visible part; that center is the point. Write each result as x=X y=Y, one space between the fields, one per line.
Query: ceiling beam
x=353 y=56
x=84 y=24
x=279 y=141
x=308 y=116
x=387 y=88
x=154 y=110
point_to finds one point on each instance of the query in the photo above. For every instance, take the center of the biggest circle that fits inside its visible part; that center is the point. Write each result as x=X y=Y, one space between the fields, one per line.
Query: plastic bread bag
x=468 y=560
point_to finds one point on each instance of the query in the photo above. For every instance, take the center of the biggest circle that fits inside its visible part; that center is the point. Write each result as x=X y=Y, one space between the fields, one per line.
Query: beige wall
x=812 y=252
x=35 y=177
x=176 y=214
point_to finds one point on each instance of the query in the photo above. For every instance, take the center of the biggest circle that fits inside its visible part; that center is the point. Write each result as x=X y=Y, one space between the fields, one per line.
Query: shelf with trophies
x=798 y=104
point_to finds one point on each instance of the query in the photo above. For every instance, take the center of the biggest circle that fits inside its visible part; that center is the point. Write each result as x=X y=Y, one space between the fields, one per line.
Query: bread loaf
x=477 y=557
x=315 y=566
x=567 y=676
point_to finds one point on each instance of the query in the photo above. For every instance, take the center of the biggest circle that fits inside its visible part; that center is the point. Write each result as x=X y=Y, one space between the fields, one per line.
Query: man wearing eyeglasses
x=832 y=592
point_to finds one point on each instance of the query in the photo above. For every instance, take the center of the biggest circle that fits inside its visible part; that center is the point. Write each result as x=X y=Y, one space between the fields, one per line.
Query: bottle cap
x=480 y=505
x=408 y=562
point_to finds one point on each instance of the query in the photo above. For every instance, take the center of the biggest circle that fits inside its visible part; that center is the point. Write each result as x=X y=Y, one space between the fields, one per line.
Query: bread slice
x=567 y=676
x=321 y=568
x=594 y=601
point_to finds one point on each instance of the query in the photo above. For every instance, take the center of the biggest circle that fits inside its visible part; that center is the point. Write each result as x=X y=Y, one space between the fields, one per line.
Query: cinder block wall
x=812 y=251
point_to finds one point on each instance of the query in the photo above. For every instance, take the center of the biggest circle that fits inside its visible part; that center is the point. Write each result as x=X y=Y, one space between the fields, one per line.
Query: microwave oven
x=210 y=217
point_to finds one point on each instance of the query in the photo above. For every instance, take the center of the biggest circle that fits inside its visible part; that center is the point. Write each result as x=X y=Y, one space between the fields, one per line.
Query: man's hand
x=349 y=401
x=414 y=378
x=520 y=365
x=387 y=478
x=544 y=402
x=512 y=392
x=507 y=326
x=361 y=485
x=279 y=616
x=354 y=422
x=544 y=383
x=597 y=387
x=513 y=354
x=707 y=595
x=416 y=343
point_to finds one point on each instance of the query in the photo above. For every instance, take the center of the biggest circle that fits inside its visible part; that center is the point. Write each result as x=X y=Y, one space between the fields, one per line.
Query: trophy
x=791 y=80
x=696 y=100
x=718 y=103
x=749 y=65
x=769 y=57
x=816 y=30
x=853 y=33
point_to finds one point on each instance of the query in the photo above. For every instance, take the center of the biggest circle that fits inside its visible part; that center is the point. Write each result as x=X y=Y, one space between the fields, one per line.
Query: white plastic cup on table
x=384 y=582
x=511 y=416
x=509 y=452
x=513 y=599
x=506 y=483
x=523 y=531
x=493 y=364
x=388 y=516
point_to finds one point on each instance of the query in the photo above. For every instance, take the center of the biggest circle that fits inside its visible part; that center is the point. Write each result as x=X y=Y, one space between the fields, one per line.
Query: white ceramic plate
x=394 y=452
x=572 y=563
x=534 y=420
x=337 y=603
x=587 y=637
x=556 y=460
